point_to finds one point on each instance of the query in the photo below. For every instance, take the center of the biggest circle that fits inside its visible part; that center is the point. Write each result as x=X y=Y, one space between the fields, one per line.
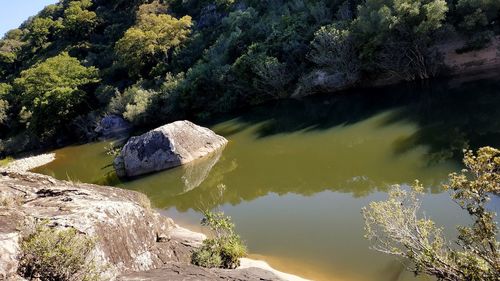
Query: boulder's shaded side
x=165 y=147
x=132 y=240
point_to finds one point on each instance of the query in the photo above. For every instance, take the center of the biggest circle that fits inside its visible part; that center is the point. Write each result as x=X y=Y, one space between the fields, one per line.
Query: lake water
x=296 y=174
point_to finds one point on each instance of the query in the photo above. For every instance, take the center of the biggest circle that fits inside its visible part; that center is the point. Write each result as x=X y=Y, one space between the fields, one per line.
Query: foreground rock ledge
x=165 y=147
x=136 y=242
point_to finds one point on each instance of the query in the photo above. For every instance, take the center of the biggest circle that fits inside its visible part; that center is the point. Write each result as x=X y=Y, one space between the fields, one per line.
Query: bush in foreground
x=57 y=255
x=224 y=249
x=396 y=228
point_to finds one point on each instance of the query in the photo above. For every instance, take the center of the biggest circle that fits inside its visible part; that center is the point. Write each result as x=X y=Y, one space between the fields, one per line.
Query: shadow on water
x=451 y=115
x=453 y=118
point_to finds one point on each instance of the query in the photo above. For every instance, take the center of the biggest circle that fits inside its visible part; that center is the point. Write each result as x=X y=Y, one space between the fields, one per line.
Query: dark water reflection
x=449 y=114
x=296 y=173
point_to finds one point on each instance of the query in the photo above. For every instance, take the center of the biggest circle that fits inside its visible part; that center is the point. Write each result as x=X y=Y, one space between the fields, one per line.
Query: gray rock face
x=113 y=126
x=165 y=147
x=126 y=228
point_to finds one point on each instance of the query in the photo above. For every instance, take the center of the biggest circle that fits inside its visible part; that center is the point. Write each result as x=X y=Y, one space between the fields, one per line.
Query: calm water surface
x=296 y=174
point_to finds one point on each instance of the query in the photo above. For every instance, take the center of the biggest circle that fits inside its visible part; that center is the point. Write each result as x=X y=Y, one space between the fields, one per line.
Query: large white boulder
x=165 y=147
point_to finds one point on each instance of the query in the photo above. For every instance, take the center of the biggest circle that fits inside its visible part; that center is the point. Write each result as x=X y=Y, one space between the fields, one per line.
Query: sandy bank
x=28 y=163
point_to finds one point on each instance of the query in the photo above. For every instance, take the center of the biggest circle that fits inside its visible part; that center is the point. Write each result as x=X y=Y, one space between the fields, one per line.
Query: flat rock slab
x=126 y=228
x=187 y=272
x=166 y=147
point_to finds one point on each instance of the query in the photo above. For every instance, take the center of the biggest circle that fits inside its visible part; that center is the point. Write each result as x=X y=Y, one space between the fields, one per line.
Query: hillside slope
x=155 y=61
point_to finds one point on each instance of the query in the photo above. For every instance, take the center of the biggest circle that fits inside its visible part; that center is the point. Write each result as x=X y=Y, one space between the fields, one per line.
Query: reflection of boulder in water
x=197 y=171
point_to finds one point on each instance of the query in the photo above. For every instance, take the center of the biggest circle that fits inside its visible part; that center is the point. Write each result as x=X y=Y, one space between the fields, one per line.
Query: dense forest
x=157 y=61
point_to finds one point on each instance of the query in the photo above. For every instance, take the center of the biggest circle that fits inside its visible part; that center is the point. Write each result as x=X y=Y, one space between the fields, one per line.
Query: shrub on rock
x=224 y=248
x=55 y=254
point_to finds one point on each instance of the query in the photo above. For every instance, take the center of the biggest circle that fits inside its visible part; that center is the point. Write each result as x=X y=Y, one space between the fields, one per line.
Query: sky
x=14 y=12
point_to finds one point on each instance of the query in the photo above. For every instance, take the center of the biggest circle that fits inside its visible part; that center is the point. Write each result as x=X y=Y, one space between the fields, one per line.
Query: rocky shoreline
x=134 y=241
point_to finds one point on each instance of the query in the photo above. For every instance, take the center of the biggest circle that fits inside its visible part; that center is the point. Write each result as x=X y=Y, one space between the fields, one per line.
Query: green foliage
x=152 y=40
x=416 y=17
x=142 y=106
x=224 y=3
x=5 y=89
x=135 y=110
x=165 y=104
x=52 y=91
x=477 y=20
x=272 y=77
x=6 y=161
x=224 y=249
x=4 y=104
x=4 y=110
x=333 y=49
x=40 y=30
x=54 y=254
x=477 y=14
x=104 y=93
x=208 y=255
x=395 y=227
x=396 y=35
x=78 y=20
x=9 y=49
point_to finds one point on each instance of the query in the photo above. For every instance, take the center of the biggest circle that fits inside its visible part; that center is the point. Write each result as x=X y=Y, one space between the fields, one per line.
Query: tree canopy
x=52 y=91
x=152 y=40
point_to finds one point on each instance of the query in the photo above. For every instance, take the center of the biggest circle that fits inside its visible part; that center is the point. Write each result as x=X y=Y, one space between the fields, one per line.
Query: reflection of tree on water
x=214 y=199
x=451 y=119
x=451 y=114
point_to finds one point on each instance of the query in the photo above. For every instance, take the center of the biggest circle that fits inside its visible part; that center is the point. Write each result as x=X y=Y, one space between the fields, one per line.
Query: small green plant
x=112 y=150
x=6 y=161
x=224 y=248
x=57 y=254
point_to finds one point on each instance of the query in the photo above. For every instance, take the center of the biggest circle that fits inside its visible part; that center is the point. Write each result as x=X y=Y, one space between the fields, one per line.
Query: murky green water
x=295 y=174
